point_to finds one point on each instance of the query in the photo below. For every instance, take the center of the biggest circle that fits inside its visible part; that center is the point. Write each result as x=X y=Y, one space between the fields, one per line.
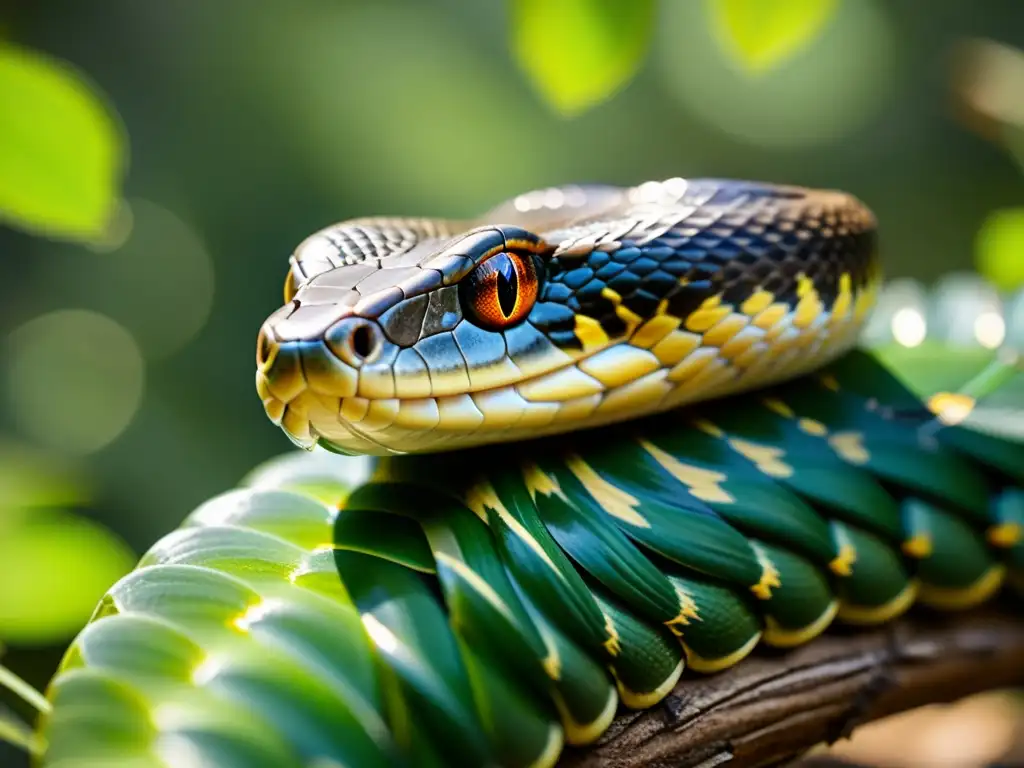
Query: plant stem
x=23 y=691
x=18 y=734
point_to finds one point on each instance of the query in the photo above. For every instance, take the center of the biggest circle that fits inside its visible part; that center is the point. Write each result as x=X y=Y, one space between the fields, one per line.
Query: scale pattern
x=490 y=607
x=493 y=614
x=716 y=252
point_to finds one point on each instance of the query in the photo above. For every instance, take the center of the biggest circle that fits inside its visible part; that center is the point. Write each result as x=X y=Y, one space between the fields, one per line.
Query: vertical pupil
x=508 y=286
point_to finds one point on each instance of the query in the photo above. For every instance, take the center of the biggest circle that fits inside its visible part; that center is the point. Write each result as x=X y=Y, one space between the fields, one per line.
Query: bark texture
x=774 y=706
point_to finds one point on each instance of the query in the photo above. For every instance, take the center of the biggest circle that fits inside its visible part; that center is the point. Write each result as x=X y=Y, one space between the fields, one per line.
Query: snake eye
x=500 y=291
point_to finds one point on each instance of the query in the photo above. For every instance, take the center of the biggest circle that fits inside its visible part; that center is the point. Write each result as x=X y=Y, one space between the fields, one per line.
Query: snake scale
x=622 y=435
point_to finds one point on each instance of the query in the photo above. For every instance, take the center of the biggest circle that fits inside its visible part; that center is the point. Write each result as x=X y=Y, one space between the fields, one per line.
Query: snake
x=611 y=437
x=564 y=309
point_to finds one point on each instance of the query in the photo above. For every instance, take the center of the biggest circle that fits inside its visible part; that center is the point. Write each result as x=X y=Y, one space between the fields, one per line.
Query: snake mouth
x=311 y=390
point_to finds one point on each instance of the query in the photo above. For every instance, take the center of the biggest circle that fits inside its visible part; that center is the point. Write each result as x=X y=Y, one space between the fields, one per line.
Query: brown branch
x=773 y=707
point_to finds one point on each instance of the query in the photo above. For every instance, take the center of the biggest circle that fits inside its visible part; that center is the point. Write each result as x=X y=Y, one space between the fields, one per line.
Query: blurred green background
x=236 y=128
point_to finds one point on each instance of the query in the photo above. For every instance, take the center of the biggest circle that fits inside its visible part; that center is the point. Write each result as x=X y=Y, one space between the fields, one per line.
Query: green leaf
x=999 y=248
x=580 y=52
x=933 y=366
x=760 y=34
x=61 y=150
x=54 y=568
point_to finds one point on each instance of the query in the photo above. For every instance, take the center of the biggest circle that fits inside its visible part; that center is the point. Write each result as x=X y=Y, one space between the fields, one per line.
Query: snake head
x=401 y=336
x=381 y=345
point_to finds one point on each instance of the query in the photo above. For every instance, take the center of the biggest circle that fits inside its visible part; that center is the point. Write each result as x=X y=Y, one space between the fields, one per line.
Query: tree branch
x=774 y=706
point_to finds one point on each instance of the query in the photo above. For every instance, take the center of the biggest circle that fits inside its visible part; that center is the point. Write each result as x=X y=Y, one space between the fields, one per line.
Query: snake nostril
x=264 y=349
x=364 y=343
x=356 y=340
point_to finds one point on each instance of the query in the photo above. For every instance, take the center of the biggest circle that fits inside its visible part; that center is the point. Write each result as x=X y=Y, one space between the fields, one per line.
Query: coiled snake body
x=752 y=480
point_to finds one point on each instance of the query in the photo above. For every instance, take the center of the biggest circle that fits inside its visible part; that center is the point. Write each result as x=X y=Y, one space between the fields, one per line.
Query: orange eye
x=501 y=291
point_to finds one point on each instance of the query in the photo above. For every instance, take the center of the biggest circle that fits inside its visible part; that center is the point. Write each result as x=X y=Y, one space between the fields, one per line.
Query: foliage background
x=221 y=134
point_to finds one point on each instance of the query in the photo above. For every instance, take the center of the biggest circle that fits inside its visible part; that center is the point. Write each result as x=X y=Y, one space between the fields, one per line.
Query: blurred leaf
x=580 y=52
x=30 y=479
x=783 y=109
x=987 y=78
x=933 y=366
x=60 y=149
x=54 y=568
x=999 y=248
x=992 y=381
x=759 y=34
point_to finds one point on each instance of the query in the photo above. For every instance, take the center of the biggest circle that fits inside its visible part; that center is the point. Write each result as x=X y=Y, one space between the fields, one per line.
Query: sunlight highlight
x=382 y=637
x=254 y=613
x=909 y=327
x=206 y=671
x=990 y=329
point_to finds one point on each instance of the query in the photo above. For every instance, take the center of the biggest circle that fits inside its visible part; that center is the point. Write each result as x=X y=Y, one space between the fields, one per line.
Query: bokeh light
x=117 y=232
x=966 y=311
x=158 y=283
x=823 y=92
x=75 y=380
x=999 y=248
x=909 y=327
x=899 y=315
x=990 y=329
x=972 y=733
